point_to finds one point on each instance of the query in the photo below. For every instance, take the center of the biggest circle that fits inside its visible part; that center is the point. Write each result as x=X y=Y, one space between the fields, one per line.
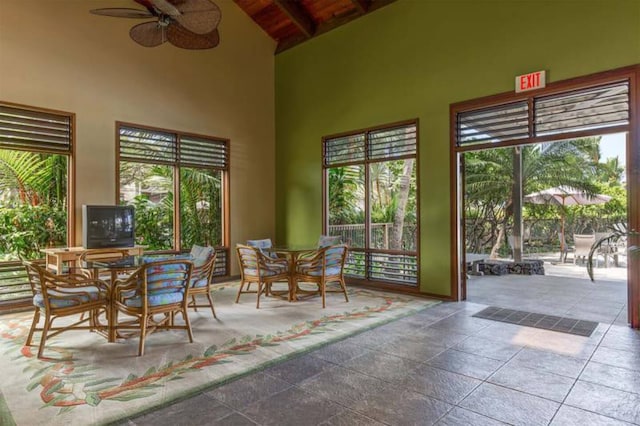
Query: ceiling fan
x=188 y=24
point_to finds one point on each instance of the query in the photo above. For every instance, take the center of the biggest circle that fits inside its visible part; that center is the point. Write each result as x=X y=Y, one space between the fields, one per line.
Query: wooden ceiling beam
x=292 y=41
x=298 y=15
x=361 y=5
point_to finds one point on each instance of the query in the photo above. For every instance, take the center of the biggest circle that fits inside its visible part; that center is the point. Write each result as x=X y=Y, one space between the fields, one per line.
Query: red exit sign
x=531 y=81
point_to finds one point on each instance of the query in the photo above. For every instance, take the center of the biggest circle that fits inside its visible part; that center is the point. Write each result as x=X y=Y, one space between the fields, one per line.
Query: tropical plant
x=489 y=176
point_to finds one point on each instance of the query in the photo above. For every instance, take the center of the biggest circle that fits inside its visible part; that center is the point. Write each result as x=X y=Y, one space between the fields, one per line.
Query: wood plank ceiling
x=291 y=22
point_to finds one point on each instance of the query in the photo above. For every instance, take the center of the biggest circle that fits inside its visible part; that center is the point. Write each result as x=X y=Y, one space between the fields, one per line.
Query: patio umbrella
x=565 y=196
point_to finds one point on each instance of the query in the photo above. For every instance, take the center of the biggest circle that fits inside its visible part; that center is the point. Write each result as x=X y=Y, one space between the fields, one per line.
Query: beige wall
x=55 y=54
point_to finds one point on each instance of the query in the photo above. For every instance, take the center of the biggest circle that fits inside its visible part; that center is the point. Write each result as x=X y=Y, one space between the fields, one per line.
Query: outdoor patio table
x=292 y=253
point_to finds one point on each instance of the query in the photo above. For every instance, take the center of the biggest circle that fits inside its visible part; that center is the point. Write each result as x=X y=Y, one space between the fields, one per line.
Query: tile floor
x=440 y=366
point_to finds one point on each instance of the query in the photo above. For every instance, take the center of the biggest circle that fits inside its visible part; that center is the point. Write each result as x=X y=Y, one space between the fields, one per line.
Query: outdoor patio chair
x=256 y=267
x=325 y=266
x=56 y=296
x=204 y=261
x=158 y=288
x=583 y=245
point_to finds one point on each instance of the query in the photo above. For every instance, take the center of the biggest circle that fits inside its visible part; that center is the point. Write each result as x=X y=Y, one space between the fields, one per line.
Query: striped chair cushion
x=65 y=300
x=156 y=298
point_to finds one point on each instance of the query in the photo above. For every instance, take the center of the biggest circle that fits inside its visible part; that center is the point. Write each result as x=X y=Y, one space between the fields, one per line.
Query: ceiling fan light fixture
x=188 y=24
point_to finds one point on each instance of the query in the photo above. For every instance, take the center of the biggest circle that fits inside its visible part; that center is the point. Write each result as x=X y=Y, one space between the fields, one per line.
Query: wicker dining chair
x=158 y=288
x=204 y=261
x=256 y=267
x=323 y=267
x=56 y=296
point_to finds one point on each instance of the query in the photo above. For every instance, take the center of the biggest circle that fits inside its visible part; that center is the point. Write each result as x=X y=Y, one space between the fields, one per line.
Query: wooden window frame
x=176 y=165
x=71 y=190
x=630 y=74
x=387 y=285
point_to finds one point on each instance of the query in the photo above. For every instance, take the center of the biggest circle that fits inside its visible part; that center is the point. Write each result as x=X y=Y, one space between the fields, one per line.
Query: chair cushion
x=264 y=273
x=199 y=283
x=328 y=240
x=156 y=298
x=200 y=255
x=262 y=244
x=329 y=271
x=64 y=300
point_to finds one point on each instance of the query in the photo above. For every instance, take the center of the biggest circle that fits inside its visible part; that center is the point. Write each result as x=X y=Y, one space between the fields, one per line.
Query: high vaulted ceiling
x=291 y=22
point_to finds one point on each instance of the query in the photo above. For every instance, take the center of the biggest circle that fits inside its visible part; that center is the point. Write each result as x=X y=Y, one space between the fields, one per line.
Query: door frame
x=630 y=74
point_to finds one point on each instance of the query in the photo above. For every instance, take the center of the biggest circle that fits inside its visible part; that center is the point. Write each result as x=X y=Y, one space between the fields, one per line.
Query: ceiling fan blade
x=185 y=39
x=198 y=16
x=148 y=34
x=165 y=7
x=123 y=12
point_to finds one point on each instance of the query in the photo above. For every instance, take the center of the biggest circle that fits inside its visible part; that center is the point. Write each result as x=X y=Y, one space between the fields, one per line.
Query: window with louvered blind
x=582 y=110
x=32 y=130
x=371 y=198
x=32 y=192
x=179 y=181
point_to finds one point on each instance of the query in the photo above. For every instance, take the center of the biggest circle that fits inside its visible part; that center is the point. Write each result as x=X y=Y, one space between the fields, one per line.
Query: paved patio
x=564 y=290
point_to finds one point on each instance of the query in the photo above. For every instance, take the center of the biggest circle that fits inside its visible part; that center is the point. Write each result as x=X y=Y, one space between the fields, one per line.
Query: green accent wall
x=412 y=59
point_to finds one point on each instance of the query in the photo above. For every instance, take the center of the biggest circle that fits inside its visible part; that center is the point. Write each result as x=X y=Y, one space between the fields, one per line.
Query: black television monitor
x=108 y=226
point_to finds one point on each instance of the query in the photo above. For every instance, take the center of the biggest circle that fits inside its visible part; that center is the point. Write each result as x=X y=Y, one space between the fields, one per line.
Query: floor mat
x=547 y=322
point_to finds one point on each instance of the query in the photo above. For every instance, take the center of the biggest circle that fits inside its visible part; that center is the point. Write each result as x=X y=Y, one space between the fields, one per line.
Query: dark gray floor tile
x=606 y=401
x=439 y=336
x=340 y=352
x=549 y=362
x=397 y=407
x=289 y=407
x=461 y=417
x=247 y=390
x=510 y=406
x=535 y=382
x=372 y=339
x=443 y=385
x=466 y=364
x=199 y=410
x=416 y=349
x=570 y=416
x=462 y=323
x=618 y=358
x=341 y=385
x=350 y=418
x=614 y=377
x=233 y=419
x=382 y=366
x=298 y=369
x=501 y=351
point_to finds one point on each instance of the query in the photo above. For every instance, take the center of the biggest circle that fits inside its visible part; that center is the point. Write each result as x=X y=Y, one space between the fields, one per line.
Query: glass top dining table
x=292 y=253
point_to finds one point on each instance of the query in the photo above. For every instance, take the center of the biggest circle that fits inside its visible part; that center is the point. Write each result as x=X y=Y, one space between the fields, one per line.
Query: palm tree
x=489 y=175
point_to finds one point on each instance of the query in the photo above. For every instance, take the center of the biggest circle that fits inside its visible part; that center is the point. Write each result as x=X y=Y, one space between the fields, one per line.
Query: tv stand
x=56 y=258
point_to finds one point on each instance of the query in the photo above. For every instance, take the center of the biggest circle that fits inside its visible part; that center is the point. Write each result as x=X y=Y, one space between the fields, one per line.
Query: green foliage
x=200 y=207
x=154 y=223
x=26 y=229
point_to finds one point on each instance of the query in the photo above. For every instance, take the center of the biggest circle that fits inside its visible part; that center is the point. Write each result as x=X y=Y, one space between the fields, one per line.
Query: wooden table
x=56 y=258
x=292 y=253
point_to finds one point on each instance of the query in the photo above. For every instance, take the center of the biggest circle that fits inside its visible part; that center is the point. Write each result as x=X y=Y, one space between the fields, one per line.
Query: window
x=178 y=184
x=36 y=150
x=371 y=201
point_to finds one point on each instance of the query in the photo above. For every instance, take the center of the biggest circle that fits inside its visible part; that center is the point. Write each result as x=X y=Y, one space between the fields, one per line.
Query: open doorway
x=573 y=192
x=598 y=111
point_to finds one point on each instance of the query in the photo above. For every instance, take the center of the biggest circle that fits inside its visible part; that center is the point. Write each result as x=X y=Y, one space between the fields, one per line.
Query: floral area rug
x=86 y=380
